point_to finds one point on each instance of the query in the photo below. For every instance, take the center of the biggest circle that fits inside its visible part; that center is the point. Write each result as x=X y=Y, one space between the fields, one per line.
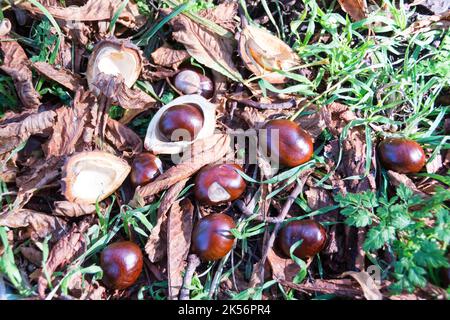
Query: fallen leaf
x=115 y=89
x=396 y=179
x=439 y=21
x=179 y=234
x=63 y=76
x=63 y=252
x=284 y=269
x=167 y=57
x=205 y=46
x=31 y=254
x=123 y=138
x=355 y=8
x=368 y=285
x=72 y=210
x=205 y=151
x=40 y=224
x=16 y=65
x=156 y=246
x=338 y=287
x=14 y=133
x=312 y=122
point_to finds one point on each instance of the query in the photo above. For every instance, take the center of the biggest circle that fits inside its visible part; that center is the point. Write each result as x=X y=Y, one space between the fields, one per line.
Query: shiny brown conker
x=121 y=263
x=212 y=238
x=217 y=184
x=295 y=146
x=312 y=233
x=192 y=80
x=401 y=155
x=182 y=122
x=145 y=168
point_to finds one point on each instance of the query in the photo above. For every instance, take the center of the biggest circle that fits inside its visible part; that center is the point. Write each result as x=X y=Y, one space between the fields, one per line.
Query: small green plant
x=415 y=230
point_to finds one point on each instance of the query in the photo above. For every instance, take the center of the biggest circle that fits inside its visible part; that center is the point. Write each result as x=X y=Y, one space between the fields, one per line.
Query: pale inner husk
x=94 y=176
x=155 y=141
x=217 y=193
x=116 y=62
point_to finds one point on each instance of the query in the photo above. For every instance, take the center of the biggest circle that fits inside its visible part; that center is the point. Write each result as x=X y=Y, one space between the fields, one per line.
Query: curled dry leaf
x=40 y=224
x=203 y=152
x=93 y=176
x=397 y=179
x=156 y=245
x=31 y=254
x=355 y=8
x=439 y=21
x=63 y=76
x=114 y=88
x=368 y=285
x=123 y=138
x=73 y=210
x=205 y=46
x=168 y=57
x=179 y=233
x=263 y=53
x=14 y=133
x=63 y=253
x=16 y=65
x=313 y=122
x=157 y=143
x=284 y=269
x=92 y=10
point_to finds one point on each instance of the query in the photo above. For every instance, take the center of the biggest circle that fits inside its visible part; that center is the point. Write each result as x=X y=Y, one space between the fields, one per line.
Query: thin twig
x=267 y=106
x=193 y=263
x=282 y=216
x=248 y=213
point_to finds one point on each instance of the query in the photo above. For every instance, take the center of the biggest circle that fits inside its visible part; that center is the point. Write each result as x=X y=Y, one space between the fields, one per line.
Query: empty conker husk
x=295 y=146
x=401 y=155
x=121 y=263
x=312 y=233
x=192 y=80
x=217 y=184
x=145 y=168
x=182 y=122
x=212 y=238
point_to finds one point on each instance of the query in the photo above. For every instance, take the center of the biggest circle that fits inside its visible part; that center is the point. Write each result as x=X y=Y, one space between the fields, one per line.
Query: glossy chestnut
x=121 y=263
x=145 y=168
x=312 y=233
x=286 y=142
x=401 y=155
x=192 y=80
x=212 y=238
x=217 y=184
x=182 y=122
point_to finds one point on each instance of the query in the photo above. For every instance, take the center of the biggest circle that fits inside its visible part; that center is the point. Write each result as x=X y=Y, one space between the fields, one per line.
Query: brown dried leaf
x=72 y=210
x=336 y=117
x=439 y=21
x=63 y=253
x=168 y=57
x=41 y=224
x=207 y=47
x=63 y=76
x=396 y=179
x=179 y=242
x=355 y=8
x=156 y=243
x=123 y=138
x=368 y=285
x=284 y=269
x=31 y=254
x=339 y=287
x=115 y=89
x=92 y=10
x=14 y=133
x=16 y=65
x=313 y=123
x=205 y=151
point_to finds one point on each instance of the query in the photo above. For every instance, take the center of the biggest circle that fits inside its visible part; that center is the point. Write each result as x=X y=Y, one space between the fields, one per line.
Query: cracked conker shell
x=295 y=145
x=121 y=263
x=212 y=238
x=217 y=184
x=401 y=155
x=145 y=168
x=312 y=233
x=182 y=122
